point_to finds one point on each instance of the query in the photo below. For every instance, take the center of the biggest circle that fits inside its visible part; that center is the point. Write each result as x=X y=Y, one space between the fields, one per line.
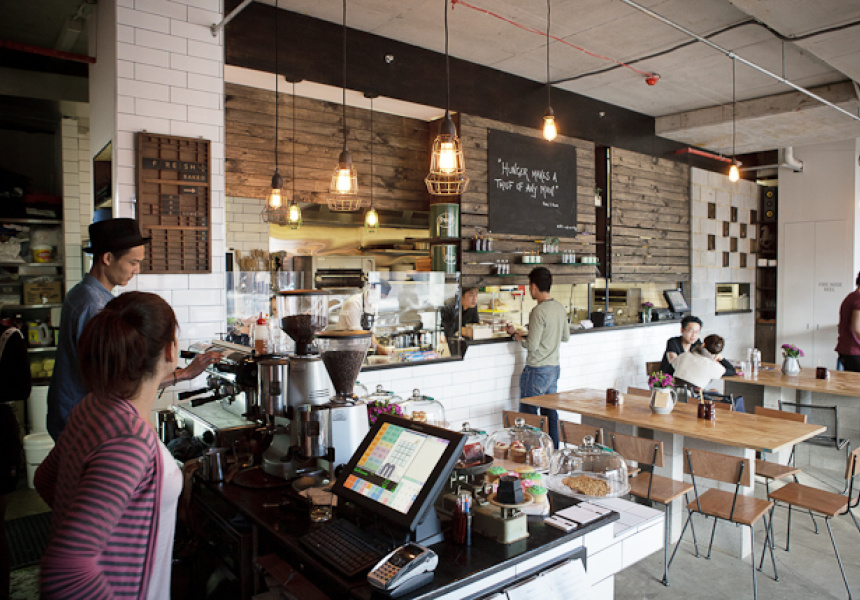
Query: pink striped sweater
x=103 y=482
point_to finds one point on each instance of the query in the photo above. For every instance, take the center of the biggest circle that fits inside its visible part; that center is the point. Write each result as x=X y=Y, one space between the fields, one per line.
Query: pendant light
x=734 y=172
x=550 y=130
x=294 y=211
x=343 y=191
x=371 y=217
x=447 y=176
x=274 y=211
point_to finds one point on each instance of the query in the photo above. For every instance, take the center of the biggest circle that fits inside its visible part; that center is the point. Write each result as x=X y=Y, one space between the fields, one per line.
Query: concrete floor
x=809 y=570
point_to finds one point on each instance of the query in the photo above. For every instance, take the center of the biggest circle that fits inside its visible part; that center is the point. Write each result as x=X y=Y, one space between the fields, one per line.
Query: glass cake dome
x=520 y=445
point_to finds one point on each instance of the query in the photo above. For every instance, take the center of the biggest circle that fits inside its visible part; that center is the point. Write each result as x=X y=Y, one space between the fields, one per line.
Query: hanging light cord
x=548 y=87
x=277 y=76
x=371 y=153
x=294 y=143
x=447 y=64
x=344 y=75
x=734 y=107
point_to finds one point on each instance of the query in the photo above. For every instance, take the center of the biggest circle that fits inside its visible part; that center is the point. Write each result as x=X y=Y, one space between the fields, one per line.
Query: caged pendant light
x=550 y=129
x=275 y=212
x=294 y=211
x=734 y=172
x=343 y=191
x=447 y=176
x=371 y=217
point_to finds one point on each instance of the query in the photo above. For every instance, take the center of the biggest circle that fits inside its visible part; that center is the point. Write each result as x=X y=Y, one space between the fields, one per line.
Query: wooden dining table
x=841 y=383
x=734 y=433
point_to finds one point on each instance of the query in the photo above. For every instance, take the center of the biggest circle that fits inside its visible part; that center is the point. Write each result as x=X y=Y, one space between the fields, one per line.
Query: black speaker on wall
x=768 y=205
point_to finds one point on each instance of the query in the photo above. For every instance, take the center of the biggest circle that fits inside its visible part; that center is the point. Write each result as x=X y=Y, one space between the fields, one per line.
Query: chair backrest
x=780 y=414
x=724 y=406
x=636 y=448
x=572 y=433
x=509 y=418
x=818 y=414
x=638 y=392
x=652 y=367
x=852 y=466
x=716 y=466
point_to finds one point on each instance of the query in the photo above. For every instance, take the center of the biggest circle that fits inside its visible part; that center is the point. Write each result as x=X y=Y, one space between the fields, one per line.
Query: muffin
x=518 y=452
x=524 y=469
x=500 y=450
x=493 y=473
x=538 y=494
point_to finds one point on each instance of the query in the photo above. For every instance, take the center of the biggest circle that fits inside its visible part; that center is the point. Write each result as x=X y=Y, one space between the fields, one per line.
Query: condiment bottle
x=711 y=411
x=261 y=336
x=703 y=408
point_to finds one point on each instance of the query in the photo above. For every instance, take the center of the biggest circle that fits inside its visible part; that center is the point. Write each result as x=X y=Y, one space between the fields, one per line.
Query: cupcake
x=518 y=452
x=500 y=450
x=530 y=476
x=493 y=473
x=524 y=469
x=538 y=494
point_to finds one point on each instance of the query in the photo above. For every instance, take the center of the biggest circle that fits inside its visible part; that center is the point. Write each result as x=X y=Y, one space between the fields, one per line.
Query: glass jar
x=382 y=401
x=424 y=409
x=473 y=451
x=519 y=446
x=588 y=470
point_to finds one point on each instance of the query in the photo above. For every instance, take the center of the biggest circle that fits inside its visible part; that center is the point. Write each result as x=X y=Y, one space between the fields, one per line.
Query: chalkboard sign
x=531 y=185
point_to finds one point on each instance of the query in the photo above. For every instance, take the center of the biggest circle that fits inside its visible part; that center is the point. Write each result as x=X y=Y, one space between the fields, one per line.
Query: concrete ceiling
x=813 y=43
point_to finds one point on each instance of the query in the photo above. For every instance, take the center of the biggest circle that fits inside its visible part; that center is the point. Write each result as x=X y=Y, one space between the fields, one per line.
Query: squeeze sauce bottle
x=261 y=336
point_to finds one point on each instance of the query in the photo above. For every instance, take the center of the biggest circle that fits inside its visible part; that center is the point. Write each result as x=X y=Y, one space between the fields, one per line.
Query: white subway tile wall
x=77 y=188
x=170 y=81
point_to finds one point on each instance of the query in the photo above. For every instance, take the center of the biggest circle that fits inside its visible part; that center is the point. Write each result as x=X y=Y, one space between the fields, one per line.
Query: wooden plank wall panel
x=400 y=149
x=477 y=268
x=650 y=227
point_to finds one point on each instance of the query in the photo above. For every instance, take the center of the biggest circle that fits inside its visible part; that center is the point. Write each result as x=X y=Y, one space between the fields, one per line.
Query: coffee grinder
x=297 y=387
x=343 y=353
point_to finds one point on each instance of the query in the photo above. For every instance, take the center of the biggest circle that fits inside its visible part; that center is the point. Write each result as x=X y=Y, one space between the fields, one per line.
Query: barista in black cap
x=118 y=249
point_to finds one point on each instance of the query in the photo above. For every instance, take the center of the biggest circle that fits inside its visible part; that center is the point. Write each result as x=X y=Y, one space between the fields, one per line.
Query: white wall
x=707 y=265
x=168 y=80
x=486 y=382
x=815 y=272
x=77 y=186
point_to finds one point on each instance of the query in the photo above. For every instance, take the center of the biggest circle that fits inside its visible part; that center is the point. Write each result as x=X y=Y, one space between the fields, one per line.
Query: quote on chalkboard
x=531 y=185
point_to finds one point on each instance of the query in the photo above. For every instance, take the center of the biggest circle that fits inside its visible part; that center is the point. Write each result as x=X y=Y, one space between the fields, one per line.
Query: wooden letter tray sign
x=174 y=203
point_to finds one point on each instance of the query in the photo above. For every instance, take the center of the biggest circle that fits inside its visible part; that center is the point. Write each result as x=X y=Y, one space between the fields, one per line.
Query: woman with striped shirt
x=111 y=483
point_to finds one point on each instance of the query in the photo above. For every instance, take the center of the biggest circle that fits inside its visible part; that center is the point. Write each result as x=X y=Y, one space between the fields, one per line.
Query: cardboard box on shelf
x=43 y=292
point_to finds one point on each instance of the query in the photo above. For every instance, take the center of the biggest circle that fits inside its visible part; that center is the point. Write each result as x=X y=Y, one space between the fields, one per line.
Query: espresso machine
x=343 y=353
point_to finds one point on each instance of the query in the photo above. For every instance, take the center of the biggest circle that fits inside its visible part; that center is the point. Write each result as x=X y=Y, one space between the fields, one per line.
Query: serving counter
x=237 y=521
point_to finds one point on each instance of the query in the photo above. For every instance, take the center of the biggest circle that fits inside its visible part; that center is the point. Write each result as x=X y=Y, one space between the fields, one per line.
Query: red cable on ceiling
x=490 y=13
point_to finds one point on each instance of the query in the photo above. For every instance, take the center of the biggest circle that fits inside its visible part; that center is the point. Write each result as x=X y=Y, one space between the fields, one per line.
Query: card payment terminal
x=405 y=569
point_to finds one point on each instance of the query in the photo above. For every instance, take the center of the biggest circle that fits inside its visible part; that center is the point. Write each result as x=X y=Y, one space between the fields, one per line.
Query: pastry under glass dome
x=520 y=445
x=590 y=470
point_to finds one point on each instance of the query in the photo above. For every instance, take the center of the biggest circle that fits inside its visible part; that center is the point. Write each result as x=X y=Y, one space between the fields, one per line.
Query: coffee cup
x=822 y=373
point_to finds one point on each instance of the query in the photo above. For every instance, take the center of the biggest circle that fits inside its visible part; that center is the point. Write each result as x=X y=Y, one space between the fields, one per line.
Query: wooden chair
x=827 y=504
x=821 y=415
x=509 y=418
x=639 y=392
x=652 y=367
x=773 y=471
x=724 y=406
x=723 y=505
x=648 y=486
x=572 y=433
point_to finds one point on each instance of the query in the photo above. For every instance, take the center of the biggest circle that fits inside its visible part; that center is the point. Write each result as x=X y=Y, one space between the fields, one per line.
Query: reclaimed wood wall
x=478 y=267
x=650 y=219
x=401 y=149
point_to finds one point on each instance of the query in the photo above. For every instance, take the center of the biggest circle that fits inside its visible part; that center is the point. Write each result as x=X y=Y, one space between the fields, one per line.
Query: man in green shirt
x=547 y=329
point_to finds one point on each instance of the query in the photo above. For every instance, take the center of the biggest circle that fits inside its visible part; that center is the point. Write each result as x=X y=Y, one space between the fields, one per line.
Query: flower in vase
x=791 y=351
x=647 y=306
x=659 y=379
x=379 y=407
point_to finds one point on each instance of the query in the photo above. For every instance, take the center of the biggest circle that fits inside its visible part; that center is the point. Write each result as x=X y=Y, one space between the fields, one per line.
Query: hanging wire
x=344 y=75
x=371 y=152
x=447 y=63
x=277 y=77
x=294 y=143
x=734 y=106
x=548 y=86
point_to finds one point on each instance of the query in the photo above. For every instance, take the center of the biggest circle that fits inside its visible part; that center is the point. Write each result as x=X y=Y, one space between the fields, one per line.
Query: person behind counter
x=848 y=342
x=356 y=312
x=465 y=305
x=547 y=329
x=112 y=485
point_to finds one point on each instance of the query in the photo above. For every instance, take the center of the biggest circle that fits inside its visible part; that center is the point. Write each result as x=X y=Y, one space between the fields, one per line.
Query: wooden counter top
x=742 y=430
x=841 y=383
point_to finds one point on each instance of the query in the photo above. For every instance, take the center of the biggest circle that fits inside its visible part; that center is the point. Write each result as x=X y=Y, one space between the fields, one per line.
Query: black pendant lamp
x=343 y=190
x=275 y=211
x=371 y=217
x=550 y=130
x=294 y=211
x=447 y=176
x=734 y=172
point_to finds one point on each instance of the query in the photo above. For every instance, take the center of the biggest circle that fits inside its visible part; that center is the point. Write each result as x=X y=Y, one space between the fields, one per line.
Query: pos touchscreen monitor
x=400 y=469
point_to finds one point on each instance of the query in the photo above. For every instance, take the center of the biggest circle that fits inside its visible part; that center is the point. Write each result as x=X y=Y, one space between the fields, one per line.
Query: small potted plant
x=790 y=354
x=663 y=396
x=378 y=407
x=646 y=311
